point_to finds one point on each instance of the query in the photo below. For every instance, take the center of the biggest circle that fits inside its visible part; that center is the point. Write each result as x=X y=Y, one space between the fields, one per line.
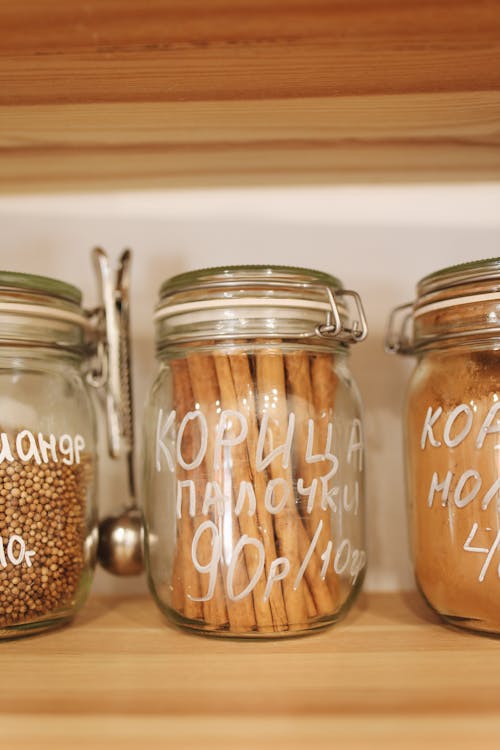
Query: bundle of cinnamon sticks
x=259 y=566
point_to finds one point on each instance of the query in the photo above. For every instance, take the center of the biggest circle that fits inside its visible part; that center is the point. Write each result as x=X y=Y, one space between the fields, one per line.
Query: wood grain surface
x=389 y=676
x=159 y=92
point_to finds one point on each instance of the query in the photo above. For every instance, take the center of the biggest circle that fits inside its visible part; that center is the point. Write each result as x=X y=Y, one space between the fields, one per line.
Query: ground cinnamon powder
x=453 y=441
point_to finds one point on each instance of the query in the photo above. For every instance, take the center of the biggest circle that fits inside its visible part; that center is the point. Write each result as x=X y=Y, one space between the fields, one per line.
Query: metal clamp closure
x=112 y=367
x=334 y=328
x=399 y=337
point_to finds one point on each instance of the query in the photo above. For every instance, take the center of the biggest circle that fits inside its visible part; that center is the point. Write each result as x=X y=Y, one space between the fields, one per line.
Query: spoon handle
x=114 y=292
x=126 y=400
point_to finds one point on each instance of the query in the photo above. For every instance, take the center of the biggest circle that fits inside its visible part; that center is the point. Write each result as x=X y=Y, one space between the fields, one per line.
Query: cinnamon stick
x=244 y=387
x=272 y=403
x=241 y=473
x=324 y=381
x=300 y=400
x=310 y=605
x=185 y=579
x=206 y=392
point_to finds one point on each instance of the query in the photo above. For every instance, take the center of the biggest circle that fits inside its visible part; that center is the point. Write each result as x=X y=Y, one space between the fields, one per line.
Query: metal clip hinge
x=399 y=339
x=112 y=367
x=334 y=328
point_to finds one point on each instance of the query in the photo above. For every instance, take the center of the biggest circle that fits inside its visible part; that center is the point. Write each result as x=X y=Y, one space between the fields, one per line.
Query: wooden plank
x=243 y=142
x=363 y=732
x=164 y=50
x=121 y=93
x=389 y=676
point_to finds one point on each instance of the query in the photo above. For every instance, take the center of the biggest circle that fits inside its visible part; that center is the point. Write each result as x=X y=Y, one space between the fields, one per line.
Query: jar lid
x=457 y=303
x=462 y=273
x=26 y=296
x=246 y=275
x=11 y=281
x=257 y=300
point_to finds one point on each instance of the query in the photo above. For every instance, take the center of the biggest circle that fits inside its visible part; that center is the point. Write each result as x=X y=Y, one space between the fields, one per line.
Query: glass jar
x=452 y=421
x=254 y=475
x=47 y=455
x=50 y=348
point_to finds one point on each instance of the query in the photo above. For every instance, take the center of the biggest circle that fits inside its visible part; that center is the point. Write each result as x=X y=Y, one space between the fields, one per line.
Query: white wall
x=378 y=240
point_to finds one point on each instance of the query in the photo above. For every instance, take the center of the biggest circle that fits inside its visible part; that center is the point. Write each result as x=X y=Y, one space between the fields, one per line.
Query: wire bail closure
x=334 y=328
x=112 y=371
x=399 y=338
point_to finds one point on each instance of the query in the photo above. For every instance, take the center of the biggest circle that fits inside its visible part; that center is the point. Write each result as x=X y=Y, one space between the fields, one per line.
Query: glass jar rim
x=250 y=301
x=486 y=269
x=465 y=286
x=42 y=312
x=272 y=275
x=12 y=281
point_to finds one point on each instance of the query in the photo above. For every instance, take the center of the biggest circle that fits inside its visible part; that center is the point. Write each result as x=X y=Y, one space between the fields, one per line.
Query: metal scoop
x=120 y=549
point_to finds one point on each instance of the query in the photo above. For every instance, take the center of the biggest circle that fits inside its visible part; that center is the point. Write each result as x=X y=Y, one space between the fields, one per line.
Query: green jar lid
x=12 y=282
x=487 y=269
x=247 y=275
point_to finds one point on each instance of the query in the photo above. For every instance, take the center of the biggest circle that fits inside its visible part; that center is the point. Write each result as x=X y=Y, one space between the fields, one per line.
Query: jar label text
x=465 y=481
x=224 y=495
x=28 y=446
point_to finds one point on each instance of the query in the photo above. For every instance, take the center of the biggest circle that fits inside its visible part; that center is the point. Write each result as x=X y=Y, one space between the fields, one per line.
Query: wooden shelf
x=389 y=676
x=123 y=93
